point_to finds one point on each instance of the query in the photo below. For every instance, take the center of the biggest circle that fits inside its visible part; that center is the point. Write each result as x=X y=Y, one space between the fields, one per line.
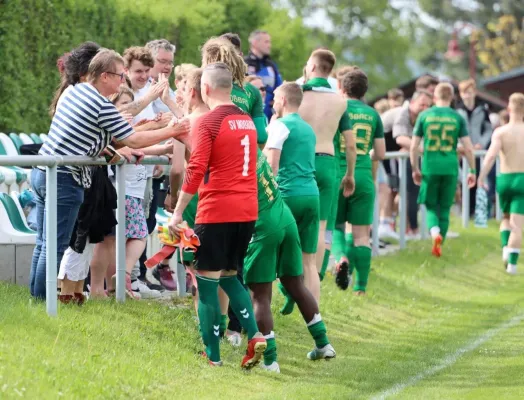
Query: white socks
x=316 y=318
x=434 y=231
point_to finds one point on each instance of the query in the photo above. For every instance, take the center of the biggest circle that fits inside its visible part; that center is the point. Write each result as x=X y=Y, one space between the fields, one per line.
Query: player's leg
x=326 y=176
x=210 y=259
x=224 y=306
x=342 y=275
x=448 y=184
x=428 y=196
x=239 y=237
x=505 y=197
x=516 y=223
x=259 y=272
x=505 y=230
x=360 y=215
x=330 y=227
x=289 y=270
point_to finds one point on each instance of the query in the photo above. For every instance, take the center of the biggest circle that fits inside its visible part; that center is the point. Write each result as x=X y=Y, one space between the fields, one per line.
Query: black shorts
x=223 y=246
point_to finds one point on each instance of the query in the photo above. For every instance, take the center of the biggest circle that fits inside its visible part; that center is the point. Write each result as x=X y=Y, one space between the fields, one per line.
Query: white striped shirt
x=84 y=124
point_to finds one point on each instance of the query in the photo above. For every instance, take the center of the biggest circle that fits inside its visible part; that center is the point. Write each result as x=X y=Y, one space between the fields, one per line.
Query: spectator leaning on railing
x=84 y=132
x=259 y=63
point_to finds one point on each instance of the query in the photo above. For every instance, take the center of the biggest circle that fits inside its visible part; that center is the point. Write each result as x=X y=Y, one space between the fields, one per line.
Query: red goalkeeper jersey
x=223 y=166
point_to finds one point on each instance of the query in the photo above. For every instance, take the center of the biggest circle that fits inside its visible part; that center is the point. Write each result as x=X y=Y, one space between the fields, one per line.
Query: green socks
x=362 y=256
x=513 y=256
x=270 y=354
x=504 y=238
x=325 y=263
x=240 y=303
x=209 y=316
x=289 y=303
x=318 y=331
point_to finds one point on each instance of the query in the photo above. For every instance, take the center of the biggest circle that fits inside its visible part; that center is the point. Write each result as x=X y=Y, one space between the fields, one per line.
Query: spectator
x=402 y=133
x=503 y=117
x=427 y=83
x=259 y=63
x=256 y=81
x=382 y=106
x=395 y=98
x=163 y=54
x=89 y=130
x=476 y=114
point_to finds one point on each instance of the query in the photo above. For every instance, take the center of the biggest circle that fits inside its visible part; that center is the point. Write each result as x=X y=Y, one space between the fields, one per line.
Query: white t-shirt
x=135 y=183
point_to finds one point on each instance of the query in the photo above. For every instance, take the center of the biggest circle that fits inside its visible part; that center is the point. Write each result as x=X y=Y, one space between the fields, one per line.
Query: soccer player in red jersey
x=224 y=157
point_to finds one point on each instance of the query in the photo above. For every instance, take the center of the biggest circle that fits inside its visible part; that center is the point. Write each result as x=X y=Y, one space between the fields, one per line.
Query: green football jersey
x=271 y=207
x=366 y=125
x=339 y=142
x=249 y=100
x=440 y=128
x=296 y=140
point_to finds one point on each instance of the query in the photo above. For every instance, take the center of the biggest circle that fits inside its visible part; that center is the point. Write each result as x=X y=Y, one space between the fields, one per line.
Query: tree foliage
x=34 y=33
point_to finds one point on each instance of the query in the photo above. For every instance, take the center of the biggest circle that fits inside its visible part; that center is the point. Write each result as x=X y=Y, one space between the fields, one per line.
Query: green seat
x=36 y=138
x=17 y=141
x=14 y=214
x=21 y=175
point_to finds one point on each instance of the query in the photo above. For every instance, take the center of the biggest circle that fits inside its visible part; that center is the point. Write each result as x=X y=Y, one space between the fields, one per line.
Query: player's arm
x=176 y=174
x=379 y=149
x=491 y=156
x=345 y=128
x=148 y=138
x=277 y=135
x=258 y=116
x=159 y=149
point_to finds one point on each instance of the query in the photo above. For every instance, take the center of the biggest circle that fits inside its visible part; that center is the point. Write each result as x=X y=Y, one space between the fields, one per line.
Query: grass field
x=451 y=328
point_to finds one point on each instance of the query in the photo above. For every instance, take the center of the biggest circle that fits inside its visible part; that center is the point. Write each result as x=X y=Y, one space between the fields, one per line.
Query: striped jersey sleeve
x=113 y=123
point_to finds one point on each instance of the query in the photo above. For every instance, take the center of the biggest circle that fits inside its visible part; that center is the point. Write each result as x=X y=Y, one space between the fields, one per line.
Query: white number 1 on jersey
x=245 y=142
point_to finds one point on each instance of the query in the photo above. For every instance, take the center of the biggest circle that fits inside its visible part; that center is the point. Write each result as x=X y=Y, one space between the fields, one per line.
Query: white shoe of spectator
x=385 y=231
x=452 y=234
x=145 y=293
x=412 y=236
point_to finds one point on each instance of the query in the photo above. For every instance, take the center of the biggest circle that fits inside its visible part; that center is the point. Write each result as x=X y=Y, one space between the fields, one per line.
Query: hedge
x=34 y=33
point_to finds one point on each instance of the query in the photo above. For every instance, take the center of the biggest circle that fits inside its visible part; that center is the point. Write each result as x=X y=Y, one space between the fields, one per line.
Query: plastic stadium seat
x=24 y=137
x=43 y=137
x=12 y=227
x=36 y=138
x=7 y=148
x=16 y=141
x=14 y=196
x=9 y=182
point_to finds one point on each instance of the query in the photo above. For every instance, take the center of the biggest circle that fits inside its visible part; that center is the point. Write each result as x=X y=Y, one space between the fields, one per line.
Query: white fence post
x=403 y=201
x=121 y=234
x=51 y=241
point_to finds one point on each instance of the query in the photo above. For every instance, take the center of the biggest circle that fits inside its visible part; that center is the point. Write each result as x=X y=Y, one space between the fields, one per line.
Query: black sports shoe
x=342 y=275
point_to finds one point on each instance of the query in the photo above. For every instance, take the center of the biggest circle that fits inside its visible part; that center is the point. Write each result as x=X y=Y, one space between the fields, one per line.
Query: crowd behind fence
x=52 y=162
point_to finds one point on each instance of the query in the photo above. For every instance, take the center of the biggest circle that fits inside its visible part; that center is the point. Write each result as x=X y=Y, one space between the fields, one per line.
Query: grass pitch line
x=451 y=359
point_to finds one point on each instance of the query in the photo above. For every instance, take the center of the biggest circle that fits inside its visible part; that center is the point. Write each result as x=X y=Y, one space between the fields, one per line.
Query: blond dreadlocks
x=222 y=50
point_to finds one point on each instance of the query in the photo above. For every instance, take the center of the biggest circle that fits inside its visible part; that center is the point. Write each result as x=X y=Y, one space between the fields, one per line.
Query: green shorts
x=358 y=209
x=438 y=190
x=305 y=211
x=326 y=177
x=273 y=256
x=510 y=188
x=332 y=219
x=189 y=216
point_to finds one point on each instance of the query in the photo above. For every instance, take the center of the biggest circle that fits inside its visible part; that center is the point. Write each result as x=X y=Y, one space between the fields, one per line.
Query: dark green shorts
x=305 y=211
x=273 y=256
x=358 y=208
x=438 y=190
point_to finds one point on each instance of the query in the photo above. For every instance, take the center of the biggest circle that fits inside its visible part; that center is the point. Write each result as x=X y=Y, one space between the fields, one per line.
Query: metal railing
x=52 y=162
x=403 y=158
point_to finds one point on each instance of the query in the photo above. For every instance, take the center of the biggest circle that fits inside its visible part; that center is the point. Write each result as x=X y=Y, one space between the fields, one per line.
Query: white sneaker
x=511 y=269
x=325 y=352
x=234 y=338
x=145 y=292
x=273 y=367
x=385 y=231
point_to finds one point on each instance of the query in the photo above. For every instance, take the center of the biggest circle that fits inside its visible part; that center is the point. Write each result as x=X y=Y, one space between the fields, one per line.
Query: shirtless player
x=508 y=140
x=325 y=111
